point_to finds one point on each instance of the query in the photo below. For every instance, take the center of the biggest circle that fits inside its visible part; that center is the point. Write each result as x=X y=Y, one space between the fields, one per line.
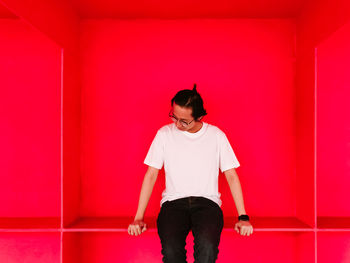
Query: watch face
x=243 y=217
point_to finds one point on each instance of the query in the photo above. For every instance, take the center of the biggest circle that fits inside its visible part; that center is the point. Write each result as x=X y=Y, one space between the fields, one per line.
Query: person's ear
x=199 y=118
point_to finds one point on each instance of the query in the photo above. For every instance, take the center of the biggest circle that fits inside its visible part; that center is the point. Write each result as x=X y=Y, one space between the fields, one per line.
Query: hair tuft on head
x=190 y=99
x=195 y=88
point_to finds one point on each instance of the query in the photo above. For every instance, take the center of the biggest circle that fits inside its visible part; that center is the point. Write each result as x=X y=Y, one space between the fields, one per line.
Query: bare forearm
x=145 y=194
x=236 y=191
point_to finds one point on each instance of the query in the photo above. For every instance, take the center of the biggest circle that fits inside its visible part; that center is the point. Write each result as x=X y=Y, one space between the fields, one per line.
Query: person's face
x=183 y=114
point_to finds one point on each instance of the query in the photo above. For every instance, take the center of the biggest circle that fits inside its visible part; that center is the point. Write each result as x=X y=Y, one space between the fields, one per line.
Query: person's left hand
x=244 y=228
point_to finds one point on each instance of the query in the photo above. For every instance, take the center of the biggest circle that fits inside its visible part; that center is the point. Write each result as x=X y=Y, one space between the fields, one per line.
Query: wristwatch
x=243 y=218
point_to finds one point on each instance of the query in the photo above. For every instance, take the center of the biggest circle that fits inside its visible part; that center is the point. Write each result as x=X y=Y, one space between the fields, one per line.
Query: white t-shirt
x=191 y=161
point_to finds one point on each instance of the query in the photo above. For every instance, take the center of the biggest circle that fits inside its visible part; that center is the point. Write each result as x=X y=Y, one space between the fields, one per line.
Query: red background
x=86 y=84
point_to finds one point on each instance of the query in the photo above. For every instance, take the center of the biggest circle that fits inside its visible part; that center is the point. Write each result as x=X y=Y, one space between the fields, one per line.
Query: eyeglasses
x=174 y=119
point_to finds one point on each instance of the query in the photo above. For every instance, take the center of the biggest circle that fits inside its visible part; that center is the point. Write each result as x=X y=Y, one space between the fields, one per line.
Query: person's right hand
x=137 y=227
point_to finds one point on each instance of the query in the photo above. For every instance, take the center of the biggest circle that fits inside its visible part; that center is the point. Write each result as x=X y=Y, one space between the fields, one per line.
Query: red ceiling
x=5 y=13
x=187 y=8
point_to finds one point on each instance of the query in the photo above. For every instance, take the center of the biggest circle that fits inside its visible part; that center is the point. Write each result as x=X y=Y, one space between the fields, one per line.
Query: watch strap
x=243 y=217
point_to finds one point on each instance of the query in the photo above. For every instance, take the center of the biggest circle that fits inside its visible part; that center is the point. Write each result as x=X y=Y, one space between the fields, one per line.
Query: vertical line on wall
x=295 y=84
x=315 y=148
x=61 y=164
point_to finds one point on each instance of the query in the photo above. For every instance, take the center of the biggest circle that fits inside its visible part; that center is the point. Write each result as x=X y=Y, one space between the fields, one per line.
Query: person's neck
x=196 y=127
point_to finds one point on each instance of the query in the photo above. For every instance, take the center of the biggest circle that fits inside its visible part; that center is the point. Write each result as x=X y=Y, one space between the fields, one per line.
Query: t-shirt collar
x=194 y=134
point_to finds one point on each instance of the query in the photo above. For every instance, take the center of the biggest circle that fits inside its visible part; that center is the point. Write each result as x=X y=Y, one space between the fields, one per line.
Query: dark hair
x=190 y=99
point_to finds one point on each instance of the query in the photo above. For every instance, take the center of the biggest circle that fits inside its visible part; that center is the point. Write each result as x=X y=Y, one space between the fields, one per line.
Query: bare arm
x=236 y=190
x=146 y=191
x=242 y=227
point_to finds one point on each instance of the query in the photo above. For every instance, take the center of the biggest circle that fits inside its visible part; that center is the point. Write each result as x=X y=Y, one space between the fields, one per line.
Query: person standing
x=192 y=152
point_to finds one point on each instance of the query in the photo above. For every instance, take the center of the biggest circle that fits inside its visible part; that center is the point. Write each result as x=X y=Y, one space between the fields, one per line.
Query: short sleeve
x=155 y=155
x=227 y=159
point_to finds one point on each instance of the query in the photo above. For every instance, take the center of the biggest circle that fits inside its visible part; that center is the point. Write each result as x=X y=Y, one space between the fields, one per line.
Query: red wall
x=333 y=123
x=56 y=19
x=257 y=78
x=71 y=134
x=108 y=247
x=317 y=21
x=29 y=247
x=130 y=71
x=30 y=125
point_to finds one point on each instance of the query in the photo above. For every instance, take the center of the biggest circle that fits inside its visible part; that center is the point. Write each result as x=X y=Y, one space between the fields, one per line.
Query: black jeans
x=199 y=214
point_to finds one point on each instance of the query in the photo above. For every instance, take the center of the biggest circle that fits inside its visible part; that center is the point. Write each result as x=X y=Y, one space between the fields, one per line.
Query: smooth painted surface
x=30 y=247
x=317 y=21
x=244 y=70
x=333 y=124
x=30 y=122
x=267 y=247
x=56 y=19
x=71 y=134
x=333 y=247
x=187 y=9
